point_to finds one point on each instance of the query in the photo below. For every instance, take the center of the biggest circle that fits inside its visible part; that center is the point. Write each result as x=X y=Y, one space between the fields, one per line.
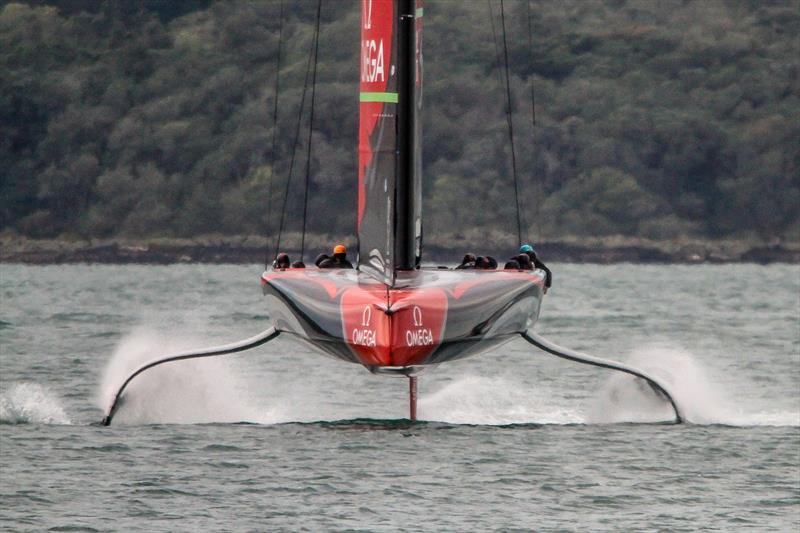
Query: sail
x=389 y=162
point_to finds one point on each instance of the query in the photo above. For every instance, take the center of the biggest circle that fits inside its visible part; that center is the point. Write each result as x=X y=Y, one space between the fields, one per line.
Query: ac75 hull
x=431 y=315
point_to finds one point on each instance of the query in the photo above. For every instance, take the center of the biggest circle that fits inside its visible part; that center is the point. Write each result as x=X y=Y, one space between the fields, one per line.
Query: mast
x=390 y=147
x=407 y=187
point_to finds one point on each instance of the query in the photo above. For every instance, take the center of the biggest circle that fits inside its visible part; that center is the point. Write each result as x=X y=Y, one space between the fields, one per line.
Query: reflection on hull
x=429 y=317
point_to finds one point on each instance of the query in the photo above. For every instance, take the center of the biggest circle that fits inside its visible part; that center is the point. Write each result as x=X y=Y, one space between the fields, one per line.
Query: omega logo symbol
x=417 y=316
x=364 y=336
x=366 y=13
x=419 y=336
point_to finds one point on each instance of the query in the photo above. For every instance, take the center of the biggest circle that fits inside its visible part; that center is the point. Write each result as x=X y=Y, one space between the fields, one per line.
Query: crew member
x=524 y=262
x=320 y=258
x=338 y=260
x=485 y=263
x=282 y=261
x=528 y=250
x=467 y=262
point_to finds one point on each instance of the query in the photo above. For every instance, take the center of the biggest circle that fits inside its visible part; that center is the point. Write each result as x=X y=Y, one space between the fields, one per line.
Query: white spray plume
x=32 y=403
x=702 y=399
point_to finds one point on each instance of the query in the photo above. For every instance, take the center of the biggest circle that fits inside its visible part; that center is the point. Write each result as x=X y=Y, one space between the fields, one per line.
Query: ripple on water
x=82 y=317
x=228 y=464
x=113 y=447
x=222 y=448
x=73 y=527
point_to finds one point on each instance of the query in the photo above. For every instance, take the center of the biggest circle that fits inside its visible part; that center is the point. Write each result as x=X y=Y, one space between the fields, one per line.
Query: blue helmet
x=525 y=248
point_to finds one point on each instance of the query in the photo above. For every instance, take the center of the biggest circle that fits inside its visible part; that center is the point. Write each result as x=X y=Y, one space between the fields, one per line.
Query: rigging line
x=496 y=46
x=511 y=125
x=274 y=136
x=496 y=56
x=310 y=130
x=294 y=148
x=536 y=183
x=501 y=83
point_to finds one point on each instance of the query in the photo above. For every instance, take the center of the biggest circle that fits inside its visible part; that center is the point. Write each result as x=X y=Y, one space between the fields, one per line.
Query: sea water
x=281 y=438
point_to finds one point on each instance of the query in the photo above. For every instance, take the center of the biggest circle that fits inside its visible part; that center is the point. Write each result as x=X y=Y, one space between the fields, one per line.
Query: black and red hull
x=431 y=316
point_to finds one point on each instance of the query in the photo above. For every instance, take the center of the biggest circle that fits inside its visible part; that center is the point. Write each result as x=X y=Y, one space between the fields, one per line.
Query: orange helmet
x=339 y=249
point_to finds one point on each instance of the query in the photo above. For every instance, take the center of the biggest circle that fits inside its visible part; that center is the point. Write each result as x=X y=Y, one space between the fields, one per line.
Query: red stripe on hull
x=404 y=333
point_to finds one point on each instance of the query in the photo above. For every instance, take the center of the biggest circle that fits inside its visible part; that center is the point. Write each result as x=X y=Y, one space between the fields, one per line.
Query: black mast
x=407 y=192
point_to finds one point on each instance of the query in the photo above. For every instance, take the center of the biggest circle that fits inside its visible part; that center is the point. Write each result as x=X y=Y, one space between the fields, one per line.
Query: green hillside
x=654 y=119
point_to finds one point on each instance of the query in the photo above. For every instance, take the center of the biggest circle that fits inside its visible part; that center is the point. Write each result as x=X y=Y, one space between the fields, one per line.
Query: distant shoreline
x=251 y=250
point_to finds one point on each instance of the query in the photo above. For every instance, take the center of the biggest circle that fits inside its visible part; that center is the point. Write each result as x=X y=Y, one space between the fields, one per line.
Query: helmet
x=525 y=248
x=339 y=249
x=524 y=261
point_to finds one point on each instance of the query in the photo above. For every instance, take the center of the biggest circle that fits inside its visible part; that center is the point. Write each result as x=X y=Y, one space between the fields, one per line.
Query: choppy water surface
x=283 y=439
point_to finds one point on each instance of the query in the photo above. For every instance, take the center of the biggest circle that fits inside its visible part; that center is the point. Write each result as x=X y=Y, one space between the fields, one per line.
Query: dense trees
x=657 y=119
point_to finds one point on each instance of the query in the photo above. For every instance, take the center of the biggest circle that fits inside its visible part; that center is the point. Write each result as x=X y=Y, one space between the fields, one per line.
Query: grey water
x=283 y=439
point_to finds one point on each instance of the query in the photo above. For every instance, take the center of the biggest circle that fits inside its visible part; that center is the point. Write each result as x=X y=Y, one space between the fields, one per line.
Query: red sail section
x=377 y=133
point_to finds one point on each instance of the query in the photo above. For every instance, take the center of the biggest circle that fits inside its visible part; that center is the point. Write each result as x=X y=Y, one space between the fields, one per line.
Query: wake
x=223 y=390
x=620 y=399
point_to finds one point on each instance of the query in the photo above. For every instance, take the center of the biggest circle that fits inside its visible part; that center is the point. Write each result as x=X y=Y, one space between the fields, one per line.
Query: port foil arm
x=240 y=346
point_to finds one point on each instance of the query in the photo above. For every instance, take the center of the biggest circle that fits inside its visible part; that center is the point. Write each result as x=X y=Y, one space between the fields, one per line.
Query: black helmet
x=282 y=261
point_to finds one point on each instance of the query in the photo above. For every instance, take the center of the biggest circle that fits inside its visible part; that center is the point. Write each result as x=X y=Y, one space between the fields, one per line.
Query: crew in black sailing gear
x=524 y=262
x=485 y=263
x=320 y=258
x=511 y=264
x=338 y=260
x=282 y=261
x=467 y=262
x=298 y=264
x=528 y=250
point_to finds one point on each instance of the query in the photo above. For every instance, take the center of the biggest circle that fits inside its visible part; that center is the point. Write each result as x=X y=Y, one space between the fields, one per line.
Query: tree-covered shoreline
x=656 y=120
x=251 y=249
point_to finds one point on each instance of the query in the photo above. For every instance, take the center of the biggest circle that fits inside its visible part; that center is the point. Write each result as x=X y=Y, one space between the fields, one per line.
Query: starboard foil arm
x=559 y=351
x=246 y=344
